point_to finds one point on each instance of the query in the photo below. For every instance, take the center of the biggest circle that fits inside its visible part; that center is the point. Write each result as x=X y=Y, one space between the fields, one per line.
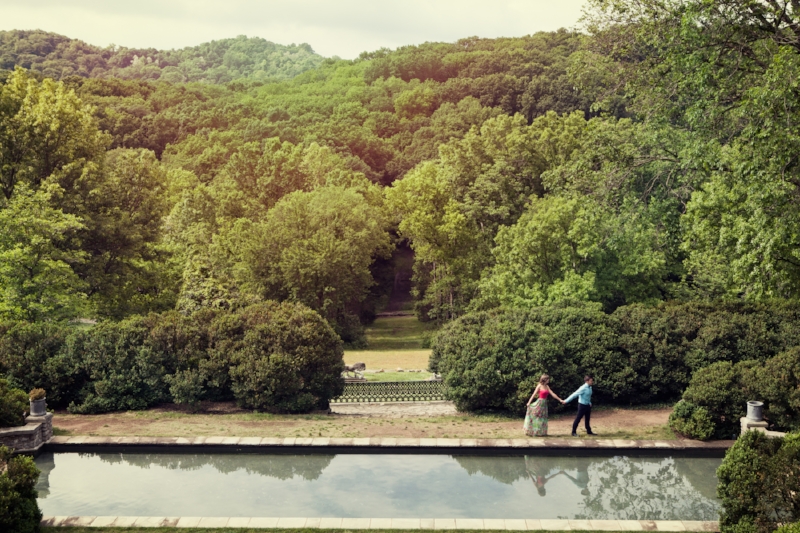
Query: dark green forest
x=650 y=157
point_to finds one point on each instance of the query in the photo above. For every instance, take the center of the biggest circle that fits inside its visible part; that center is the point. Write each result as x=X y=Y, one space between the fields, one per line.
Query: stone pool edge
x=381 y=523
x=379 y=445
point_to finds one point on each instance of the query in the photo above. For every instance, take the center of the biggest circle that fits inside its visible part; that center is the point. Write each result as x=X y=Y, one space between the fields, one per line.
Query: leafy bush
x=13 y=405
x=286 y=358
x=779 y=388
x=759 y=483
x=692 y=421
x=789 y=528
x=493 y=359
x=30 y=357
x=124 y=371
x=638 y=354
x=723 y=389
x=19 y=511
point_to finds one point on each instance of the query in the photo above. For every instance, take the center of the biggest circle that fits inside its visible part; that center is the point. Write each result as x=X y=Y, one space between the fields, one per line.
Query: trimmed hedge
x=638 y=354
x=19 y=511
x=268 y=356
x=759 y=483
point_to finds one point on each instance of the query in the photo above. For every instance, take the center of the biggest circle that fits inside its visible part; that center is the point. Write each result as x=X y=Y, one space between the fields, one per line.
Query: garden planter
x=39 y=407
x=755 y=410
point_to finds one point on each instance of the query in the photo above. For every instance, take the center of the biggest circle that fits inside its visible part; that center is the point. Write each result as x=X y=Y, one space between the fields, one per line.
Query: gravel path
x=395 y=409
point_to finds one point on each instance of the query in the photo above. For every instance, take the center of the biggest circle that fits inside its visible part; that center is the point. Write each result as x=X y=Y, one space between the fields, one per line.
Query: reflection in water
x=615 y=488
x=393 y=486
x=308 y=467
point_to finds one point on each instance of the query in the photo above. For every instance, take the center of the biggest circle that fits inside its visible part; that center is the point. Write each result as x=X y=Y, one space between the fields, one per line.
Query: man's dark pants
x=583 y=410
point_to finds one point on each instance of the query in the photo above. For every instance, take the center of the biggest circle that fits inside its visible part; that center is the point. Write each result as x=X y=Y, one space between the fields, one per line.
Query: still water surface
x=377 y=486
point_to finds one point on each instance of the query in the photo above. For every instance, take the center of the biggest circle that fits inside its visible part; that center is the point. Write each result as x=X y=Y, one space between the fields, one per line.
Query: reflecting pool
x=378 y=486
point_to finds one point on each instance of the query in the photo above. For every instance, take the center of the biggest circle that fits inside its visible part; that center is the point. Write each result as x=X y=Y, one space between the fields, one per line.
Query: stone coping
x=381 y=523
x=385 y=445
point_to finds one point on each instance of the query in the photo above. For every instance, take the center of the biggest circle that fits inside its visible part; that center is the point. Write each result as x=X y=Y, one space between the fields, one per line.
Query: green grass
x=397 y=333
x=398 y=376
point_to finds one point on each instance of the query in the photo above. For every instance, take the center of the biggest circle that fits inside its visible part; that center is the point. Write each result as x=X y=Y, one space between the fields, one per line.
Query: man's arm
x=575 y=394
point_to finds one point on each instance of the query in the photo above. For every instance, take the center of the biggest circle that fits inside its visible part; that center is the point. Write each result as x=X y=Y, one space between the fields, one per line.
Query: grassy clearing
x=394 y=342
x=398 y=376
x=397 y=333
x=609 y=423
x=390 y=360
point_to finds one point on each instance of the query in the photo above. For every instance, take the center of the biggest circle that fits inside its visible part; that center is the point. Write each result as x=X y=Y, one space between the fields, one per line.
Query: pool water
x=378 y=486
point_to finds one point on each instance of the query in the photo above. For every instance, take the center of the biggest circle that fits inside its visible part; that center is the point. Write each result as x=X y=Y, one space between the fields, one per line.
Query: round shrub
x=19 y=511
x=759 y=480
x=13 y=405
x=493 y=359
x=124 y=371
x=723 y=389
x=284 y=357
x=692 y=421
x=789 y=528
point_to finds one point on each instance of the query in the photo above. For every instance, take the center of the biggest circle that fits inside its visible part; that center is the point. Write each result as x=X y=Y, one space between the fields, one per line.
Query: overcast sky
x=332 y=27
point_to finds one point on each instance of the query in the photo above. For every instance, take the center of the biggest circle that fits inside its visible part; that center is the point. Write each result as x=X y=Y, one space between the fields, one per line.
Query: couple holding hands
x=536 y=417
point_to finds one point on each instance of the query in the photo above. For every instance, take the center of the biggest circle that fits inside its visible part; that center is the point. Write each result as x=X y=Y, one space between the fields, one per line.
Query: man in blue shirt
x=584 y=396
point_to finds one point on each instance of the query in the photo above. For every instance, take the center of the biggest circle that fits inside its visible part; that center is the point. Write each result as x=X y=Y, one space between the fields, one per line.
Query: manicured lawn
x=398 y=376
x=390 y=360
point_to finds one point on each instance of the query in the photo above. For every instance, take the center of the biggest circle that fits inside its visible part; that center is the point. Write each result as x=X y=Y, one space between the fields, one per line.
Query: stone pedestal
x=758 y=425
x=30 y=438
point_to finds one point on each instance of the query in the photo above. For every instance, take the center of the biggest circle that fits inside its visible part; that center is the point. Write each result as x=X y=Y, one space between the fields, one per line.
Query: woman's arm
x=556 y=396
x=533 y=395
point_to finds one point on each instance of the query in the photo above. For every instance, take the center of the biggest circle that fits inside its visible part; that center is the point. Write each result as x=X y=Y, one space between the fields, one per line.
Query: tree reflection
x=308 y=467
x=616 y=488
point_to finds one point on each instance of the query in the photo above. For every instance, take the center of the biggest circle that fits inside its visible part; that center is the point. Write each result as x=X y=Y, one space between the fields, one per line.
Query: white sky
x=332 y=27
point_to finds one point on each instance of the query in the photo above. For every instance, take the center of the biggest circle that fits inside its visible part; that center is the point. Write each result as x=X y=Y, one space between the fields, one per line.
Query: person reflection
x=581 y=479
x=537 y=474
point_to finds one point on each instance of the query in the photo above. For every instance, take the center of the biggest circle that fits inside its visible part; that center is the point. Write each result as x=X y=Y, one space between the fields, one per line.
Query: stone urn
x=39 y=407
x=755 y=411
x=38 y=402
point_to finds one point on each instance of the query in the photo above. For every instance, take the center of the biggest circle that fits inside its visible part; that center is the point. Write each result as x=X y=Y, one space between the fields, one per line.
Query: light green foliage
x=46 y=133
x=37 y=277
x=58 y=57
x=573 y=248
x=452 y=209
x=313 y=248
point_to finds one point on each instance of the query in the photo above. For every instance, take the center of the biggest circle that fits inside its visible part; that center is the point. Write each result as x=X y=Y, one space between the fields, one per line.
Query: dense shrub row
x=638 y=354
x=268 y=356
x=759 y=483
x=715 y=399
x=19 y=512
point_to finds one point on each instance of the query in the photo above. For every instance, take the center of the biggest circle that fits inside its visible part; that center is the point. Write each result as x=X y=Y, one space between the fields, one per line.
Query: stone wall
x=30 y=437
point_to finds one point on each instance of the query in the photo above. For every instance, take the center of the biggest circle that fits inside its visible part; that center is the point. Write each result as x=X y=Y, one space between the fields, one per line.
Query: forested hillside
x=58 y=57
x=637 y=162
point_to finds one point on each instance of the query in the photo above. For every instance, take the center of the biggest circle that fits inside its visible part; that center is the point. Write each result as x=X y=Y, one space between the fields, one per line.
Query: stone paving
x=64 y=443
x=381 y=523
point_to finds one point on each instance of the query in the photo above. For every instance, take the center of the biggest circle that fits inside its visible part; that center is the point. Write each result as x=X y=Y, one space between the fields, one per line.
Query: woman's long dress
x=536 y=417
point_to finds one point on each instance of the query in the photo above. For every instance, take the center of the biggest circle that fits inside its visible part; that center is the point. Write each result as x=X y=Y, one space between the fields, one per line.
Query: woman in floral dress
x=536 y=417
